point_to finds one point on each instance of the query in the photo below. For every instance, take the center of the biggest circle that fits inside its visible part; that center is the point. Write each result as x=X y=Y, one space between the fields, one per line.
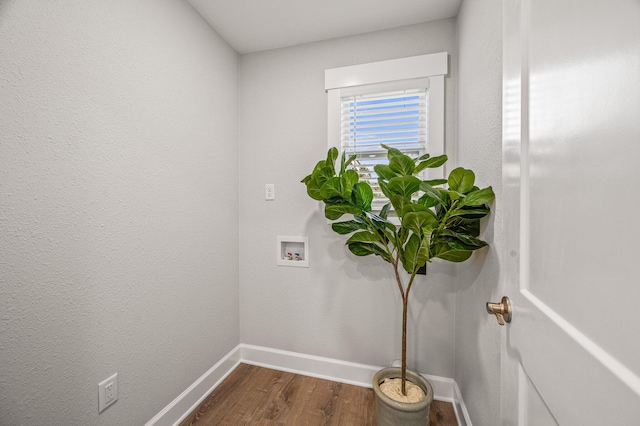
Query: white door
x=571 y=355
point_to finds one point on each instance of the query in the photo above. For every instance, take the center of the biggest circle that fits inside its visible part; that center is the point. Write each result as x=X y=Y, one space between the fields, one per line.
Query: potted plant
x=433 y=221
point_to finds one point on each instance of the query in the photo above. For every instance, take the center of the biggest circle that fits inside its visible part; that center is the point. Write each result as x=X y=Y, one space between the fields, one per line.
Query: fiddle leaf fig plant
x=438 y=218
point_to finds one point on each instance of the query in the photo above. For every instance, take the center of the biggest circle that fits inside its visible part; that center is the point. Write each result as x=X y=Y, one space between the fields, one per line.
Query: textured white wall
x=118 y=207
x=479 y=147
x=341 y=306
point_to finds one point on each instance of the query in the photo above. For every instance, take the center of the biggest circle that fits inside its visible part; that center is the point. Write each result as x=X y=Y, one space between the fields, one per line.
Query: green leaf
x=404 y=185
x=350 y=160
x=461 y=241
x=415 y=253
x=347 y=180
x=366 y=249
x=332 y=214
x=306 y=179
x=419 y=221
x=384 y=171
x=319 y=166
x=362 y=195
x=364 y=237
x=379 y=222
x=409 y=253
x=475 y=213
x=313 y=190
x=424 y=255
x=344 y=164
x=392 y=152
x=401 y=237
x=466 y=226
x=331 y=188
x=347 y=227
x=444 y=196
x=402 y=164
x=384 y=212
x=454 y=195
x=443 y=251
x=398 y=202
x=431 y=163
x=432 y=192
x=456 y=246
x=479 y=197
x=459 y=245
x=427 y=201
x=461 y=180
x=332 y=156
x=335 y=211
x=384 y=188
x=361 y=249
x=322 y=174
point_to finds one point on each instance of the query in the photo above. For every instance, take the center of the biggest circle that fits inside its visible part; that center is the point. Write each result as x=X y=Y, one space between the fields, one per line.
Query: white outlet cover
x=269 y=192
x=111 y=382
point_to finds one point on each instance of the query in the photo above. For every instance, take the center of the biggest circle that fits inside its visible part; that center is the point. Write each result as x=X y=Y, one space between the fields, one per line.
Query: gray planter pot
x=393 y=413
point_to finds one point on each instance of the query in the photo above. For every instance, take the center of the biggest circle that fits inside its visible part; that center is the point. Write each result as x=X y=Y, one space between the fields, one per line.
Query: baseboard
x=458 y=405
x=309 y=365
x=189 y=400
x=445 y=389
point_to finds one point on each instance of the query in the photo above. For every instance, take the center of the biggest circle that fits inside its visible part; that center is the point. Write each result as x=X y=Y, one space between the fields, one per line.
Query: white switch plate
x=269 y=191
x=107 y=392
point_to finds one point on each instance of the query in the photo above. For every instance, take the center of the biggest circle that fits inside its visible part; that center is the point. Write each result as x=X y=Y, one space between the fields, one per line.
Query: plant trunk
x=404 y=343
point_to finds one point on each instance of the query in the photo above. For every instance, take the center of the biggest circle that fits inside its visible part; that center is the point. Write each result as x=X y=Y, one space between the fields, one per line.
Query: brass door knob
x=501 y=310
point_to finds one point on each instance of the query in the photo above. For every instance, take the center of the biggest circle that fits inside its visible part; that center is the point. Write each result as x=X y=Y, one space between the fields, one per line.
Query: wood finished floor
x=253 y=395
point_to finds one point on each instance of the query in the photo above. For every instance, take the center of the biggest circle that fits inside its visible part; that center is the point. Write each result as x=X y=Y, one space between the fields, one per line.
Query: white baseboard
x=444 y=389
x=458 y=405
x=189 y=400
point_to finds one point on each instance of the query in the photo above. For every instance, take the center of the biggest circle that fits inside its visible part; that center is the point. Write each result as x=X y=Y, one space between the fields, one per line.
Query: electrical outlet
x=269 y=191
x=107 y=392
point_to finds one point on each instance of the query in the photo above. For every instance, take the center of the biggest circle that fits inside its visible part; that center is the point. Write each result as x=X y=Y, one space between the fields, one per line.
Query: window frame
x=379 y=77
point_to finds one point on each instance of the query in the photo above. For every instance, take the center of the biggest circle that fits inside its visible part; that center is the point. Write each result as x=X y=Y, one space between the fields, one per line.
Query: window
x=396 y=119
x=398 y=103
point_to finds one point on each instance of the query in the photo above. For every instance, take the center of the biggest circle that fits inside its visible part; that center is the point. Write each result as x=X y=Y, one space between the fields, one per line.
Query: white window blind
x=397 y=119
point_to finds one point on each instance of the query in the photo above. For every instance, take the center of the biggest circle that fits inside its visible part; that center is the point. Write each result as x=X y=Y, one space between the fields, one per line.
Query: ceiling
x=255 y=25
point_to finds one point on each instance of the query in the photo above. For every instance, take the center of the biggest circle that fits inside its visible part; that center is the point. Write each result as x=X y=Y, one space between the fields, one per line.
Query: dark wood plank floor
x=253 y=395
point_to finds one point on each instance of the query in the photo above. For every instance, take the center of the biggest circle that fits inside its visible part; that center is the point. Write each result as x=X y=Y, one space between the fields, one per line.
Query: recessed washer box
x=293 y=251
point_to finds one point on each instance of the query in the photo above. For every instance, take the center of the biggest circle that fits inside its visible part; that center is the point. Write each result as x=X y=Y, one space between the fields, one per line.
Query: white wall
x=479 y=147
x=341 y=306
x=118 y=207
